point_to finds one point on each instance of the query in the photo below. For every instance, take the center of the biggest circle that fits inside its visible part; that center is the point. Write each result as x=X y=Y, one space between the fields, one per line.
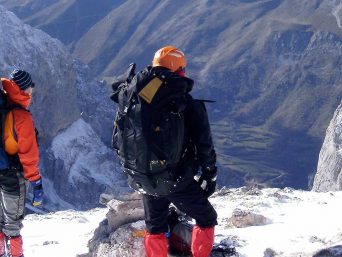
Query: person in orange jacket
x=21 y=149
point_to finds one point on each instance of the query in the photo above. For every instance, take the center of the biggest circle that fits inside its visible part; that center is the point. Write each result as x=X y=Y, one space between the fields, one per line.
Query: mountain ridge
x=269 y=64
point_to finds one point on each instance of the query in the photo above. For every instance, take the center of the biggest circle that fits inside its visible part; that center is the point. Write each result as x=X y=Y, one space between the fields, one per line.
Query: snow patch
x=84 y=154
x=337 y=11
x=64 y=233
x=302 y=223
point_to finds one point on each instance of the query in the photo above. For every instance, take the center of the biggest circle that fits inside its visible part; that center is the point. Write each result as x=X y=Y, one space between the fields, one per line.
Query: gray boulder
x=334 y=251
x=121 y=234
x=243 y=218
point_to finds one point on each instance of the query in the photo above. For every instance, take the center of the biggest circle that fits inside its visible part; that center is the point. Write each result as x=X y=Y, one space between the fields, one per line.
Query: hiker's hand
x=37 y=189
x=207 y=181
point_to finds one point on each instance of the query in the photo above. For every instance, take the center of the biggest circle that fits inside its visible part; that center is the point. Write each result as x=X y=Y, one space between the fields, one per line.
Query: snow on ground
x=298 y=223
x=60 y=234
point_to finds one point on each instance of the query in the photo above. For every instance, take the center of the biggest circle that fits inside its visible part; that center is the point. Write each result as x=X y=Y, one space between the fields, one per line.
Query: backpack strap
x=18 y=107
x=122 y=81
x=3 y=117
x=3 y=112
x=205 y=101
x=150 y=90
x=15 y=106
x=147 y=93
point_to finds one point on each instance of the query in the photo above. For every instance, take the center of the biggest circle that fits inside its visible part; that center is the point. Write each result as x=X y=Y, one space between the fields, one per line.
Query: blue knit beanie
x=22 y=79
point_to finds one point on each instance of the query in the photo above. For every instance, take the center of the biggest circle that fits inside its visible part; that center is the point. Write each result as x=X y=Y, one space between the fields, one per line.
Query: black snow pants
x=188 y=198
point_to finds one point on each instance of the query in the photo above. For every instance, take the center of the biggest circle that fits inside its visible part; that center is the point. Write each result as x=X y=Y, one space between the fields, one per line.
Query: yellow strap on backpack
x=149 y=91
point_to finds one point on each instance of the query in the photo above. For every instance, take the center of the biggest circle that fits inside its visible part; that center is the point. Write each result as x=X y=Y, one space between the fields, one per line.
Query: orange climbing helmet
x=169 y=57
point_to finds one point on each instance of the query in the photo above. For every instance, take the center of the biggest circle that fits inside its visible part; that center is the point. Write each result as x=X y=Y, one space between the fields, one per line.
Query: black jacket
x=198 y=148
x=199 y=135
x=138 y=141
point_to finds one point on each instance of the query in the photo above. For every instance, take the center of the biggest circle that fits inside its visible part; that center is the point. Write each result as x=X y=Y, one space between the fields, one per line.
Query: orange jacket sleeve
x=27 y=144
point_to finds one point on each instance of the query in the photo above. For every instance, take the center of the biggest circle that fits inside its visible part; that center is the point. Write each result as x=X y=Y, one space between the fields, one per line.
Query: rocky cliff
x=329 y=169
x=72 y=112
x=51 y=68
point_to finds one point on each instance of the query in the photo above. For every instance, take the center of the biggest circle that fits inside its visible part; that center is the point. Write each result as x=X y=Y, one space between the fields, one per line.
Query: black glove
x=207 y=181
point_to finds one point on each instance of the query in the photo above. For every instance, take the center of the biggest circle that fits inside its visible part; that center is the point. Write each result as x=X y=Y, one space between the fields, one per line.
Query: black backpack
x=180 y=236
x=4 y=162
x=148 y=130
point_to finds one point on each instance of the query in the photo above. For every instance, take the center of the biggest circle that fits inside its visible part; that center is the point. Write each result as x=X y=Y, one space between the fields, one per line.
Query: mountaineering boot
x=155 y=245
x=2 y=244
x=16 y=246
x=202 y=241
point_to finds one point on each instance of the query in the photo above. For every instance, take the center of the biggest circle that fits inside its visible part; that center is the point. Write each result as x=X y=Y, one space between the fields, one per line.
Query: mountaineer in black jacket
x=188 y=195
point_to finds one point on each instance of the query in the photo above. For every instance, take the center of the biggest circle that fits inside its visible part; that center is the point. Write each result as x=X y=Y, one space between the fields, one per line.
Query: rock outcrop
x=55 y=104
x=243 y=218
x=329 y=169
x=334 y=251
x=121 y=234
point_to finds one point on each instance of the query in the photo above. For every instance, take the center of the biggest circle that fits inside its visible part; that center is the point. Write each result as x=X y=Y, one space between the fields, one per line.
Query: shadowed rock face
x=270 y=66
x=334 y=251
x=329 y=169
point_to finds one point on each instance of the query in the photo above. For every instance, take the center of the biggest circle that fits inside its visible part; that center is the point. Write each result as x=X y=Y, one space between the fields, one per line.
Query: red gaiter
x=202 y=241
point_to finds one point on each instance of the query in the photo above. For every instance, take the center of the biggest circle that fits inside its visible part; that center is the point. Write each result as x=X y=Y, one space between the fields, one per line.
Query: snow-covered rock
x=86 y=166
x=243 y=218
x=52 y=71
x=329 y=169
x=299 y=223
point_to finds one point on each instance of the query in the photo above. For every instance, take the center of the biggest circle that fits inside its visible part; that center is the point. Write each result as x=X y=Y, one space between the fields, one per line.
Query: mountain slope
x=31 y=49
x=269 y=64
x=72 y=113
x=65 y=20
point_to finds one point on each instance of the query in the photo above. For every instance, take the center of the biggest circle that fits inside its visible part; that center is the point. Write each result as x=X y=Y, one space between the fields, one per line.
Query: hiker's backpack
x=180 y=237
x=4 y=162
x=149 y=127
x=180 y=232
